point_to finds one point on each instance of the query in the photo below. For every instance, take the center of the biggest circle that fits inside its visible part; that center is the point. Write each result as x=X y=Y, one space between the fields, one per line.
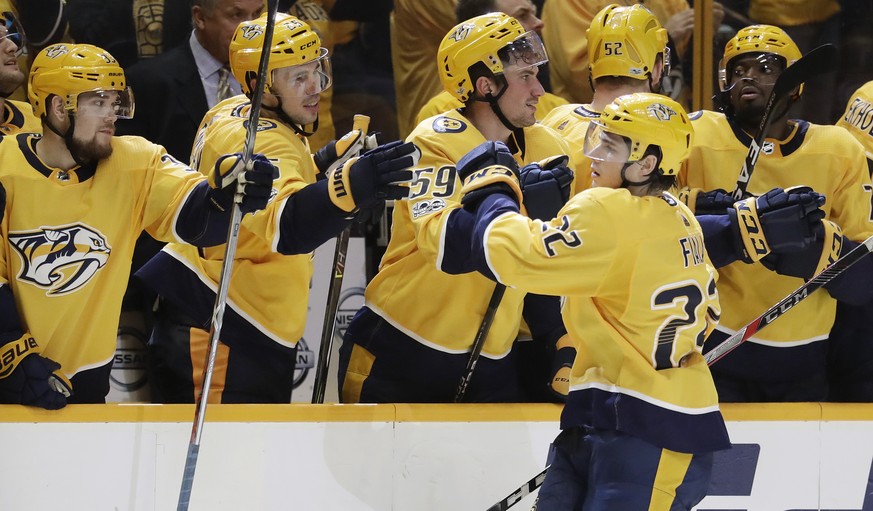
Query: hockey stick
x=226 y=269
x=479 y=341
x=521 y=492
x=362 y=123
x=784 y=305
x=821 y=60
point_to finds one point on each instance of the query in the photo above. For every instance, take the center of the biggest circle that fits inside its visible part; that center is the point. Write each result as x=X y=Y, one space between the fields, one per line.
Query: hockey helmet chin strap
x=68 y=138
x=627 y=183
x=280 y=113
x=491 y=99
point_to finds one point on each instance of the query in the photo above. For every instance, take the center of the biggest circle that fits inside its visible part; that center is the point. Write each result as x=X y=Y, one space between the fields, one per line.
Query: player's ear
x=56 y=107
x=648 y=164
x=485 y=86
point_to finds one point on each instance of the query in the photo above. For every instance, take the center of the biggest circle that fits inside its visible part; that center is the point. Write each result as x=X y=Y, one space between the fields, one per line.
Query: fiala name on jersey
x=60 y=259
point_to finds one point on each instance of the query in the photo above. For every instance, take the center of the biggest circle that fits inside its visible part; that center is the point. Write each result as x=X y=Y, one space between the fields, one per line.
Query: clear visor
x=604 y=146
x=303 y=80
x=11 y=29
x=525 y=51
x=106 y=103
x=763 y=68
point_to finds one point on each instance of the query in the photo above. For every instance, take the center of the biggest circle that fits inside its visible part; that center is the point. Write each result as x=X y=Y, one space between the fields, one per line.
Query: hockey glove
x=251 y=186
x=383 y=173
x=779 y=221
x=336 y=152
x=488 y=168
x=562 y=364
x=545 y=186
x=27 y=378
x=715 y=202
x=809 y=262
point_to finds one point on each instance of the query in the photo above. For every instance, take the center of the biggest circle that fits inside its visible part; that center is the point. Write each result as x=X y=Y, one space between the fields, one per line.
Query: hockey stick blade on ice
x=362 y=123
x=479 y=341
x=520 y=493
x=818 y=61
x=226 y=268
x=784 y=305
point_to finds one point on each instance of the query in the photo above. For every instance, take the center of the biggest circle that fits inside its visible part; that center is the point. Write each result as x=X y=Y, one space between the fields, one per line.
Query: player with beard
x=269 y=292
x=77 y=198
x=15 y=116
x=785 y=362
x=412 y=339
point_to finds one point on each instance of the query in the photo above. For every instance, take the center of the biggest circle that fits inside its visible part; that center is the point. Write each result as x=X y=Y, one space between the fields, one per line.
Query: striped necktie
x=223 y=90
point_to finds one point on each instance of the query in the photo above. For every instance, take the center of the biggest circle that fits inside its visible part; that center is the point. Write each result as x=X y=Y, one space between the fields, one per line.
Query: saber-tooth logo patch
x=60 y=259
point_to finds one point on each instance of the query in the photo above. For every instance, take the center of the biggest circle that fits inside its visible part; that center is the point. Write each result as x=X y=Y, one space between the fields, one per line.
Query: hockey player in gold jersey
x=269 y=287
x=411 y=340
x=15 y=116
x=642 y=418
x=76 y=200
x=627 y=53
x=785 y=362
x=522 y=10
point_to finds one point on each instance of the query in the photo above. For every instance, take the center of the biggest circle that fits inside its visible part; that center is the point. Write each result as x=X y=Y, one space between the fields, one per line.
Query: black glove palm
x=33 y=383
x=250 y=186
x=545 y=186
x=379 y=174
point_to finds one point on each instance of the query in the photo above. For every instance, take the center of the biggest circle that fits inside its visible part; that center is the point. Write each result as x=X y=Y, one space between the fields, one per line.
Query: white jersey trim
x=421 y=340
x=614 y=389
x=208 y=282
x=775 y=344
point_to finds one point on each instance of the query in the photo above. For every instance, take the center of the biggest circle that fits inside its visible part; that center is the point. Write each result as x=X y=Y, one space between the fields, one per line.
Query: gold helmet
x=494 y=40
x=644 y=119
x=765 y=39
x=626 y=41
x=68 y=70
x=294 y=43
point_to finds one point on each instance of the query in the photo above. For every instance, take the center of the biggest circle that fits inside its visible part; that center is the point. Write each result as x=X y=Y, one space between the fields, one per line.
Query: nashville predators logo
x=252 y=31
x=448 y=125
x=60 y=259
x=56 y=51
x=462 y=32
x=660 y=112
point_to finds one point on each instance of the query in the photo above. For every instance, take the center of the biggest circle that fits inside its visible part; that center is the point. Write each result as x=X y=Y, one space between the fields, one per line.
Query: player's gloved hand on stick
x=545 y=186
x=336 y=152
x=27 y=378
x=488 y=168
x=714 y=202
x=249 y=185
x=779 y=221
x=383 y=173
x=562 y=364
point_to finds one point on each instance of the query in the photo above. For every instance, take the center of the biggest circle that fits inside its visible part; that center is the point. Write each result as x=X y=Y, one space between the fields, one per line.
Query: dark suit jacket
x=169 y=99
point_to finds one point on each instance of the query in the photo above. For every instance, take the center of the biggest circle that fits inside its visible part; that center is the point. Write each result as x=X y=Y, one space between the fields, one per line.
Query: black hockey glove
x=545 y=186
x=27 y=378
x=250 y=187
x=379 y=174
x=809 y=262
x=779 y=221
x=715 y=202
x=488 y=168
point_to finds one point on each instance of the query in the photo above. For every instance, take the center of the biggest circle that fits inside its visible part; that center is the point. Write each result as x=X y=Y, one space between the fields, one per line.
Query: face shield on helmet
x=525 y=52
x=104 y=103
x=774 y=51
x=632 y=123
x=303 y=80
x=11 y=29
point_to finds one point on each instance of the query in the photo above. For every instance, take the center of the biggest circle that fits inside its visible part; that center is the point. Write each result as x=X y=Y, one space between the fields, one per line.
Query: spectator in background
x=15 y=116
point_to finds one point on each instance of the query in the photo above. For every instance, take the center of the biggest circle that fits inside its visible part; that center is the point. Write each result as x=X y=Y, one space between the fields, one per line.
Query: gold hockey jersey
x=410 y=291
x=640 y=300
x=571 y=122
x=18 y=118
x=267 y=289
x=68 y=239
x=443 y=102
x=825 y=158
x=858 y=117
